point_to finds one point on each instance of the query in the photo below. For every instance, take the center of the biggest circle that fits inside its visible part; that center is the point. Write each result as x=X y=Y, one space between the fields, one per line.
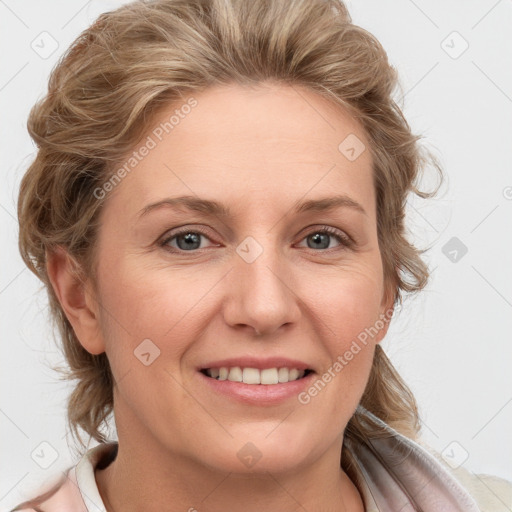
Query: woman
x=217 y=211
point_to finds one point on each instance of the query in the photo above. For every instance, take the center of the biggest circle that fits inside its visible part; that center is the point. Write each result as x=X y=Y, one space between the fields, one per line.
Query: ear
x=387 y=310
x=75 y=298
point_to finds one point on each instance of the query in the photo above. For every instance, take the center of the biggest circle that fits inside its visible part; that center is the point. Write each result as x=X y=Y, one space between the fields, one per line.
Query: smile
x=266 y=376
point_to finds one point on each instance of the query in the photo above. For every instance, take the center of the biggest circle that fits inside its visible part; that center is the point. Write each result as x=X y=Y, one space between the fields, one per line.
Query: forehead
x=265 y=143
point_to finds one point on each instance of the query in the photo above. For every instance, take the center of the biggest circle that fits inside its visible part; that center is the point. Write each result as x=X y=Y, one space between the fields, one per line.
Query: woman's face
x=259 y=286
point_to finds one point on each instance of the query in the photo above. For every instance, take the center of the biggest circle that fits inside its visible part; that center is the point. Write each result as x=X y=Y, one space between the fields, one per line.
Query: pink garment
x=396 y=474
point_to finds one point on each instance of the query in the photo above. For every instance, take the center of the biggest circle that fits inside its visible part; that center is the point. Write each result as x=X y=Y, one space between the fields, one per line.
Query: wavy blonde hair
x=134 y=61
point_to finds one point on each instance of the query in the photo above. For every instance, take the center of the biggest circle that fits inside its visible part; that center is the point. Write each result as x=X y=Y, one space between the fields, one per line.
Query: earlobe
x=77 y=303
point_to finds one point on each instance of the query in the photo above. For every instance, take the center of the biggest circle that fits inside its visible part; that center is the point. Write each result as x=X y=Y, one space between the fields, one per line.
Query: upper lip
x=256 y=362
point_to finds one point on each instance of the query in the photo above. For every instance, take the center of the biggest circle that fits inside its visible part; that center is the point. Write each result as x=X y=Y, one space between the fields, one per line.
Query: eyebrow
x=214 y=208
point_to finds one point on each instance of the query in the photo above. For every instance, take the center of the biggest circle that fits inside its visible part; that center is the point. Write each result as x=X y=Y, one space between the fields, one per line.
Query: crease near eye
x=194 y=235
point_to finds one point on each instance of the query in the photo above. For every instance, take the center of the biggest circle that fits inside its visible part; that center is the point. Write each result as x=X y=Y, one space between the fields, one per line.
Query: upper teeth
x=256 y=376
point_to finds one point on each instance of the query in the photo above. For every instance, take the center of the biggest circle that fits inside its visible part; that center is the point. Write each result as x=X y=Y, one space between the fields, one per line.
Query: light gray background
x=452 y=344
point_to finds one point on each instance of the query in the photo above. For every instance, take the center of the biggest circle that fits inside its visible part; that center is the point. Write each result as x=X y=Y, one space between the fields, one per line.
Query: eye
x=320 y=238
x=186 y=240
x=189 y=240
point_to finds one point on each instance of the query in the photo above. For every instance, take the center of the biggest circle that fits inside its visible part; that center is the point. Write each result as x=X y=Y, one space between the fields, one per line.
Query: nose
x=261 y=295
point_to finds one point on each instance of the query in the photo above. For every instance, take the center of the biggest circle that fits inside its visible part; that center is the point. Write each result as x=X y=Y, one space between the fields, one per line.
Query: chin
x=263 y=450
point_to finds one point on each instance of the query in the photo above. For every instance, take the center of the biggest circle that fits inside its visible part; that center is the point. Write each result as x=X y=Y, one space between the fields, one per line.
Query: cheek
x=166 y=306
x=139 y=310
x=348 y=301
x=136 y=306
x=346 y=316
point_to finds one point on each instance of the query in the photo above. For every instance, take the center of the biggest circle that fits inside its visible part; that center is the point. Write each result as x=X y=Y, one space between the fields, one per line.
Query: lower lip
x=258 y=394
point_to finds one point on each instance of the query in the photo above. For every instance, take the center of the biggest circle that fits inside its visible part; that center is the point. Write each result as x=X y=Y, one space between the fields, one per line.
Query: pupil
x=317 y=237
x=190 y=239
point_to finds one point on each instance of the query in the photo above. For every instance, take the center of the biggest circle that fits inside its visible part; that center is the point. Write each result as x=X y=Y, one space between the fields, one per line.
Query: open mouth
x=267 y=376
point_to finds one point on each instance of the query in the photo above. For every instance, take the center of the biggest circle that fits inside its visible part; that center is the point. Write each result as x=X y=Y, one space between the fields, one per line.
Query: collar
x=396 y=473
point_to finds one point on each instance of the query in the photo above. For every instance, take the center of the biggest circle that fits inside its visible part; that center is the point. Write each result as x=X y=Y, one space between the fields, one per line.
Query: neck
x=138 y=481
x=150 y=476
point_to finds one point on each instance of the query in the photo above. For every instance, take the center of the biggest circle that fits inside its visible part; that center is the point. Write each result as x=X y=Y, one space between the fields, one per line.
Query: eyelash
x=346 y=242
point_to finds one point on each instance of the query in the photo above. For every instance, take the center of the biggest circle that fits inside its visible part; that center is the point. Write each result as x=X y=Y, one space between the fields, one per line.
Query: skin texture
x=259 y=151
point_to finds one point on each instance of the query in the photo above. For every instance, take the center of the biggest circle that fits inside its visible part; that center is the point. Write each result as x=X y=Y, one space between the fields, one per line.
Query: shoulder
x=76 y=485
x=491 y=493
x=432 y=481
x=63 y=496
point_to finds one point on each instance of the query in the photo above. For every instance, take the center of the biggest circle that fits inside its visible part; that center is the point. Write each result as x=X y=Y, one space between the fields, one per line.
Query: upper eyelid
x=179 y=230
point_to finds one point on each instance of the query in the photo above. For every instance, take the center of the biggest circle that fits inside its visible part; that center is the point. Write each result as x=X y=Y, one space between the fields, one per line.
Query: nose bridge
x=260 y=289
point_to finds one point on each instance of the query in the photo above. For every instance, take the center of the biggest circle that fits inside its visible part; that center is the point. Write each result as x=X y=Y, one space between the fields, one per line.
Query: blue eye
x=320 y=238
x=186 y=240
x=189 y=240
